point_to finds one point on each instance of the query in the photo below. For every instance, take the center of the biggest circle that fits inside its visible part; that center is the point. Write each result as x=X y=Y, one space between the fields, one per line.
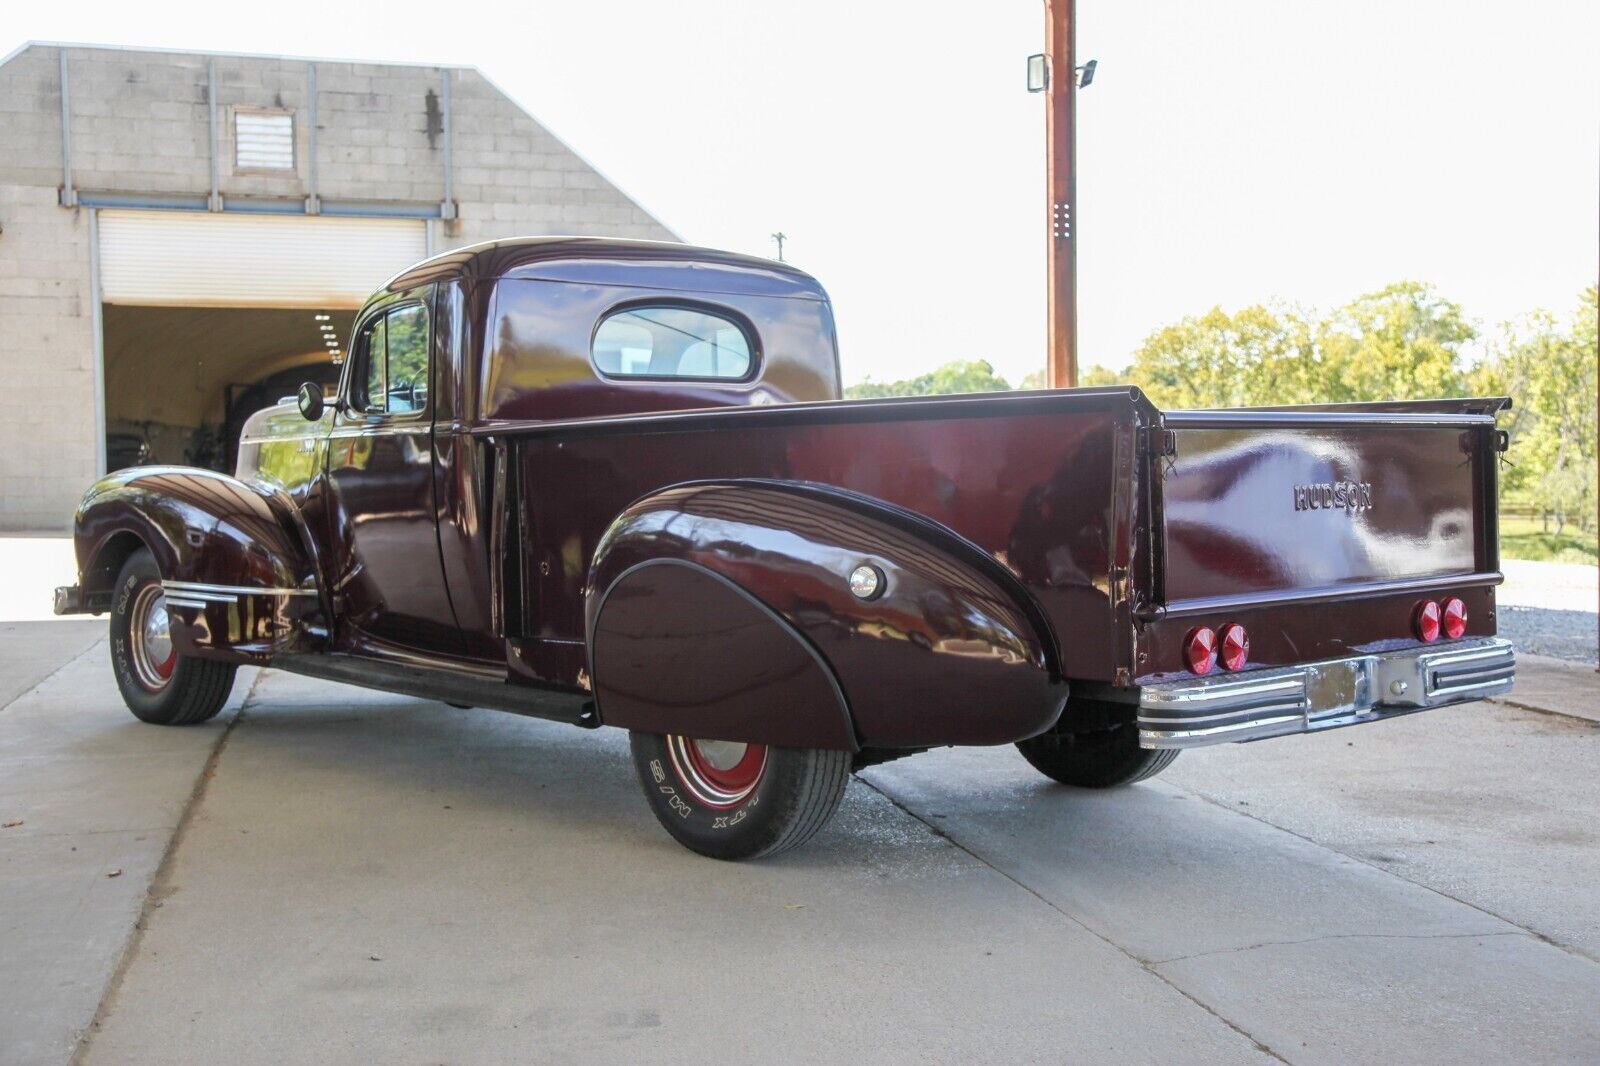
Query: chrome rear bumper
x=1325 y=695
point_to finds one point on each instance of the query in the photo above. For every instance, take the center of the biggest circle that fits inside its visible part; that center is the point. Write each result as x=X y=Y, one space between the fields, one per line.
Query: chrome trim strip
x=347 y=432
x=1322 y=695
x=207 y=597
x=202 y=589
x=1297 y=706
x=1472 y=682
x=1253 y=730
x=295 y=439
x=1465 y=656
x=404 y=429
x=1183 y=608
x=1224 y=689
x=178 y=601
x=1280 y=418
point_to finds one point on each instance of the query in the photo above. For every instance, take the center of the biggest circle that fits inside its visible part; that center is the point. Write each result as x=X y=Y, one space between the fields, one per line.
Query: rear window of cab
x=672 y=342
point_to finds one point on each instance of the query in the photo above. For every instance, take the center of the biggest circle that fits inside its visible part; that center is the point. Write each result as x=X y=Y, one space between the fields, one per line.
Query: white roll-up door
x=205 y=259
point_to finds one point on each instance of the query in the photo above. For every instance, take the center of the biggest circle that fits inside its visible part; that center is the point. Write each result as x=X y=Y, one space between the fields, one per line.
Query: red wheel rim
x=717 y=773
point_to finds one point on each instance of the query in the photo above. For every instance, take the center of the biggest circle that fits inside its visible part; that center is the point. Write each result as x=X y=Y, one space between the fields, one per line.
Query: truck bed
x=1316 y=527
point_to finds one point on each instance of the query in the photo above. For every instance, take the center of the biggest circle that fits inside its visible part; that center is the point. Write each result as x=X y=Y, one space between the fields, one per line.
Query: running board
x=473 y=688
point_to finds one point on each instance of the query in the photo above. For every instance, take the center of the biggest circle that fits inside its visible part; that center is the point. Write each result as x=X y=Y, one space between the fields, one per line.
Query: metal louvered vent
x=263 y=140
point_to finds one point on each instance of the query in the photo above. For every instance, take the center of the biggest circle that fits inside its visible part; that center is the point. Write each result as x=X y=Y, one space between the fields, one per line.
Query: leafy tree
x=1402 y=342
x=1092 y=376
x=1548 y=368
x=1254 y=357
x=960 y=376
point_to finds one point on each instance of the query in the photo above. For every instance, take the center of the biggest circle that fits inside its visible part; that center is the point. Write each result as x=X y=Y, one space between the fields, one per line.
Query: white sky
x=1229 y=152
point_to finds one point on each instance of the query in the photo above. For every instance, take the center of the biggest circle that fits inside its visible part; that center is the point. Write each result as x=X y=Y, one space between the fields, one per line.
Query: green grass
x=1523 y=537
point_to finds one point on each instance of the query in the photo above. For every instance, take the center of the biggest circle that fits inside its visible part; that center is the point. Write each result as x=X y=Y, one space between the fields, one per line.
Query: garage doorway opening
x=180 y=381
x=207 y=317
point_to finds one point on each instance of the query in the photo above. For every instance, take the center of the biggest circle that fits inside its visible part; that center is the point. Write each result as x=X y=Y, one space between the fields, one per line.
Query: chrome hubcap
x=150 y=633
x=721 y=754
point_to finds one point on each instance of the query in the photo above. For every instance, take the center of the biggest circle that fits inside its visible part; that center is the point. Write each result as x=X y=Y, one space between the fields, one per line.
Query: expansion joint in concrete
x=1341 y=936
x=160 y=884
x=1147 y=965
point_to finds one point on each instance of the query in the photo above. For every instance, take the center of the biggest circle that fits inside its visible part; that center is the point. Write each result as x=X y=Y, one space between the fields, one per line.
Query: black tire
x=1095 y=758
x=783 y=803
x=159 y=686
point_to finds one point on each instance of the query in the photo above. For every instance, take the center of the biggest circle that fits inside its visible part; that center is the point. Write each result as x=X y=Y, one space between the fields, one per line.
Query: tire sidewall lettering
x=120 y=652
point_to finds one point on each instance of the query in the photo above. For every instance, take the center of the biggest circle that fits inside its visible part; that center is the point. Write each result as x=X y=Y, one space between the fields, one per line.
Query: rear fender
x=235 y=559
x=752 y=633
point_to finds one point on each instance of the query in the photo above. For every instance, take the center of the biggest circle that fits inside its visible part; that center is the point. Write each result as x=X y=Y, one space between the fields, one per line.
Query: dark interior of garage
x=181 y=381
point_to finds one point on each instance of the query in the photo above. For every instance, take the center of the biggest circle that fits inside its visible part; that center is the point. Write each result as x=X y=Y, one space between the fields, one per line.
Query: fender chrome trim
x=1336 y=692
x=199 y=593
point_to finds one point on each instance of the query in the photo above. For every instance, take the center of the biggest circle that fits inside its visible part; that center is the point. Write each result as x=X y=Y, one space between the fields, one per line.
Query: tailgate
x=1258 y=504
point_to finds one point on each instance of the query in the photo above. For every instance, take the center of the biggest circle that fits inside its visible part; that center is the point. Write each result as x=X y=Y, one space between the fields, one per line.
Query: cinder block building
x=176 y=229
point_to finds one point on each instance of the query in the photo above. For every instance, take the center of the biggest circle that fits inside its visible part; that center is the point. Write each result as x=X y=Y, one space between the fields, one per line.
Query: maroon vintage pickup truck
x=611 y=483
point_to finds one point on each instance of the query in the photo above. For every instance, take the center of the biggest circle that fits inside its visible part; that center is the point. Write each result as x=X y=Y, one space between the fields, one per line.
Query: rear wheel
x=1095 y=758
x=731 y=800
x=159 y=685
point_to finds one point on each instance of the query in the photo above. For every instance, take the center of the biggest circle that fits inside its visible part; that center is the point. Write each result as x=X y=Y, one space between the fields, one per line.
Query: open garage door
x=210 y=317
x=203 y=259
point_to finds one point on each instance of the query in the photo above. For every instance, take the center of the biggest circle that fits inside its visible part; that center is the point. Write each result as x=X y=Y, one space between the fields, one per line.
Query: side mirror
x=310 y=401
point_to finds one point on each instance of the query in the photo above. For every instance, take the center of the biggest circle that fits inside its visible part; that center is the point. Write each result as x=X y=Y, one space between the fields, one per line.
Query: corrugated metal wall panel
x=201 y=259
x=263 y=140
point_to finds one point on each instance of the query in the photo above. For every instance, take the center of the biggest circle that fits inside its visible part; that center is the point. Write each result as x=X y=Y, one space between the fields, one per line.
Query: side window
x=672 y=342
x=393 y=354
x=408 y=359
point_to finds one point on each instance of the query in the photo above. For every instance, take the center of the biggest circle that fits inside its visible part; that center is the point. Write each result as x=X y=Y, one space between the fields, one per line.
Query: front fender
x=236 y=563
x=953 y=651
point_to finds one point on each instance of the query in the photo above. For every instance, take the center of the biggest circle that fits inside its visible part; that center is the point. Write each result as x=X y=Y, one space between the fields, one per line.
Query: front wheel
x=731 y=800
x=159 y=685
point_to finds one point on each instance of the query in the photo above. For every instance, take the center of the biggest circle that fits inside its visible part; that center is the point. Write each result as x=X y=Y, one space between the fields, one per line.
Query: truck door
x=389 y=587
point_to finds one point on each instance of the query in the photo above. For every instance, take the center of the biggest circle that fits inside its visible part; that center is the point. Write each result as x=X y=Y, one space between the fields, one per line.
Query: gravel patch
x=1559 y=634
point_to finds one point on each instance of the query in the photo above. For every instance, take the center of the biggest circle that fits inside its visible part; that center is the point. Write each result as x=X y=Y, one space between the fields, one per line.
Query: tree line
x=1404 y=341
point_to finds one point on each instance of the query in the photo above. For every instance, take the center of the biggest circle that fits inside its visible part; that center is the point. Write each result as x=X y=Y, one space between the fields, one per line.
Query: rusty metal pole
x=1062 y=190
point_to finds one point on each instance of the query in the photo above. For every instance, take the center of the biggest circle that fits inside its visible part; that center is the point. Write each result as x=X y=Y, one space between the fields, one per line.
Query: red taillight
x=1235 y=646
x=1200 y=650
x=1425 y=621
x=1455 y=618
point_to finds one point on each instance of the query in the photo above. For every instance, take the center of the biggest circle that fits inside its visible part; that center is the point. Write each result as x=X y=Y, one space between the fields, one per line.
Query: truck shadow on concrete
x=310 y=751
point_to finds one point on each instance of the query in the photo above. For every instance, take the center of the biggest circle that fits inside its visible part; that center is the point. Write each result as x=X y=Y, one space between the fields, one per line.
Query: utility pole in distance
x=1060 y=124
x=780 y=237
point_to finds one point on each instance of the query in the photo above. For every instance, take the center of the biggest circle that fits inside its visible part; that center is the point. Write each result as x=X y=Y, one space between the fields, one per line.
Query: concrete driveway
x=324 y=874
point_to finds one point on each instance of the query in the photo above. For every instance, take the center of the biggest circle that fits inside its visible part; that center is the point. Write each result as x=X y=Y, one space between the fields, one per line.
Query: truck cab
x=399 y=468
